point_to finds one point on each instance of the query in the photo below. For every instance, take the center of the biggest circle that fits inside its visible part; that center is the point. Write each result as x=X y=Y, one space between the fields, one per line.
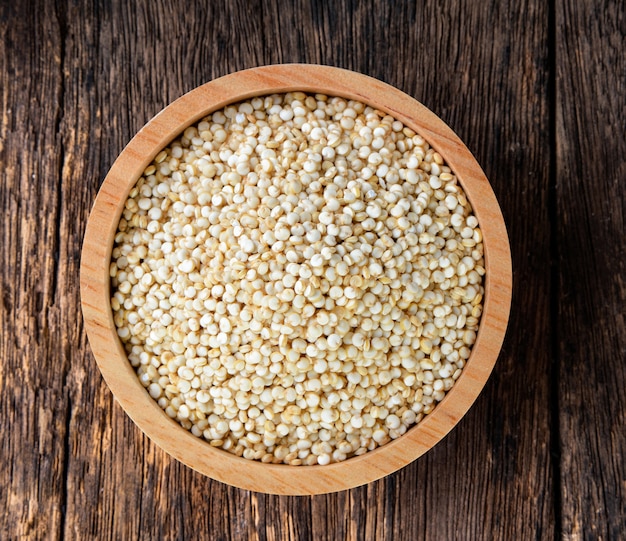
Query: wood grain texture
x=591 y=209
x=34 y=338
x=78 y=79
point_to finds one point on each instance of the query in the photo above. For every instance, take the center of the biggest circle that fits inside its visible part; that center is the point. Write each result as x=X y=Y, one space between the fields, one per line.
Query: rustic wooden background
x=536 y=89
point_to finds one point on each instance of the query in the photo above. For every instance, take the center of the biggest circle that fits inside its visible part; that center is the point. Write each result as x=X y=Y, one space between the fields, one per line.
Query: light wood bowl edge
x=121 y=377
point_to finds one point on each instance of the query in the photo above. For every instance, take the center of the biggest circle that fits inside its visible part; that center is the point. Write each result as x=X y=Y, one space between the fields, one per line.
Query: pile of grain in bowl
x=298 y=279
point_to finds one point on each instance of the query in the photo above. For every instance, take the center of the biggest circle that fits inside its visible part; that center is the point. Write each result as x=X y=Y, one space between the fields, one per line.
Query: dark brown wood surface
x=590 y=269
x=537 y=90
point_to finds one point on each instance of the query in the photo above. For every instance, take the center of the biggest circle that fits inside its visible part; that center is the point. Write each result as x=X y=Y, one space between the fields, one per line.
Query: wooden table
x=537 y=90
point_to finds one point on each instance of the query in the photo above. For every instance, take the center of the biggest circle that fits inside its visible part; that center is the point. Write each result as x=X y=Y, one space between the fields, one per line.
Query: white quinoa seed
x=298 y=279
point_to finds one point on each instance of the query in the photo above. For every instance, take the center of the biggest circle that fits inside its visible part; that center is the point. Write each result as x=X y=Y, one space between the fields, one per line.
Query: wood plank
x=34 y=363
x=493 y=473
x=134 y=488
x=590 y=116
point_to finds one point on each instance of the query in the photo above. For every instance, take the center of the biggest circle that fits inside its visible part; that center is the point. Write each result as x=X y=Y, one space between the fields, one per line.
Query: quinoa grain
x=298 y=279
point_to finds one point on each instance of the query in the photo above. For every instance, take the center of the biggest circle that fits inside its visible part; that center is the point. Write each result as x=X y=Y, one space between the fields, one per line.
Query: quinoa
x=298 y=279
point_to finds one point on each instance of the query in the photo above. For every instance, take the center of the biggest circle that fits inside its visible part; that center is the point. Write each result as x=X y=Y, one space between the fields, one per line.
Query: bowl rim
x=109 y=353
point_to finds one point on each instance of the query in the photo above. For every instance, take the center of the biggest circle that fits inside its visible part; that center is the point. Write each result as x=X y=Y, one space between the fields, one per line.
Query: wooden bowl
x=121 y=377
